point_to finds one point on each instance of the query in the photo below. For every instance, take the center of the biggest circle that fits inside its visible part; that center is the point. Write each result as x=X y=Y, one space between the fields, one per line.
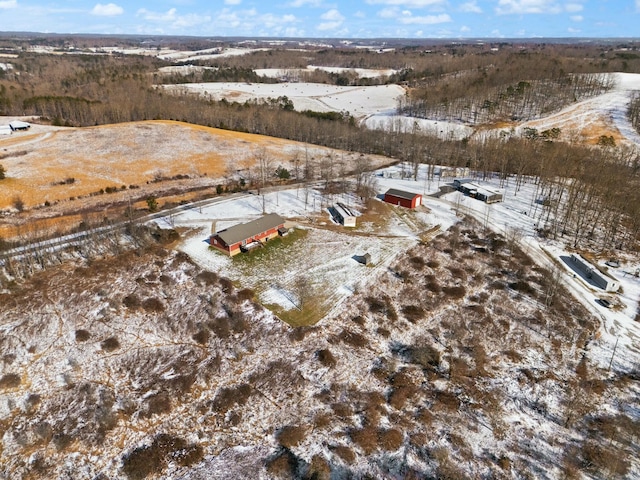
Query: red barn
x=402 y=198
x=241 y=237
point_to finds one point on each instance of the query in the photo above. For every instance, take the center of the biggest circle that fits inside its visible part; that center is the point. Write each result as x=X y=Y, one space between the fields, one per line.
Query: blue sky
x=329 y=19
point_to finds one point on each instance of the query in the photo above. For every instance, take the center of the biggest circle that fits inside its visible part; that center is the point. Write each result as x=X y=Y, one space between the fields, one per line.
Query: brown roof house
x=244 y=236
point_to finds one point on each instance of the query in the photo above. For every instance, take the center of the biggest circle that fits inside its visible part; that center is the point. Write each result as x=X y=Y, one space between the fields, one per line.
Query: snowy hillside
x=458 y=357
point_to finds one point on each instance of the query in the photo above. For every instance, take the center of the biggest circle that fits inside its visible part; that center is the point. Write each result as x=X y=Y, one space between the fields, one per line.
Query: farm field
x=70 y=168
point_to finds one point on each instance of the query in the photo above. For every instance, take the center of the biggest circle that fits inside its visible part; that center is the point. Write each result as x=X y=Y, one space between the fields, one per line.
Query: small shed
x=245 y=236
x=363 y=259
x=403 y=198
x=344 y=215
x=18 y=125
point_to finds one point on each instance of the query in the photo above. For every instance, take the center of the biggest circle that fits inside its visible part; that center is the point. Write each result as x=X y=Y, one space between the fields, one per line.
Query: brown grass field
x=40 y=164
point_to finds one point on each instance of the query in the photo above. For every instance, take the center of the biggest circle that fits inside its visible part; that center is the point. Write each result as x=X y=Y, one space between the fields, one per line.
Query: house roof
x=402 y=194
x=244 y=231
x=19 y=124
x=344 y=210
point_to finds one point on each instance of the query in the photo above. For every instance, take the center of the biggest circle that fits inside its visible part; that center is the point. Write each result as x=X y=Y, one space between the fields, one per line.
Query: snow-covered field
x=375 y=107
x=358 y=101
x=294 y=72
x=604 y=114
x=326 y=254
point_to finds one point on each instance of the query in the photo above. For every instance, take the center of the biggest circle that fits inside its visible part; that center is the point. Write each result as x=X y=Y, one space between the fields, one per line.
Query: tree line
x=590 y=193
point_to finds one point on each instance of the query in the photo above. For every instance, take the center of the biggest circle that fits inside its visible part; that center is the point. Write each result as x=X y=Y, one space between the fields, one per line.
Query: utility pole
x=614 y=352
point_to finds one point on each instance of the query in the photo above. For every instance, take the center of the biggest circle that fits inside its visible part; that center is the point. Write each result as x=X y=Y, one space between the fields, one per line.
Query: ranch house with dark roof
x=238 y=238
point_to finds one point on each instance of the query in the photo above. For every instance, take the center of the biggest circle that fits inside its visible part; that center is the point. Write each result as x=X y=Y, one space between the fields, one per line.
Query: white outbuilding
x=17 y=125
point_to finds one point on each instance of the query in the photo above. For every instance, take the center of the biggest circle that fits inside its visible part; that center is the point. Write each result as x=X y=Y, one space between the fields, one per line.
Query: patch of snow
x=318 y=97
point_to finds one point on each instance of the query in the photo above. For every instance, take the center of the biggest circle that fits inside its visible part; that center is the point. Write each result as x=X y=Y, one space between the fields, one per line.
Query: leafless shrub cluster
x=325 y=357
x=291 y=435
x=150 y=460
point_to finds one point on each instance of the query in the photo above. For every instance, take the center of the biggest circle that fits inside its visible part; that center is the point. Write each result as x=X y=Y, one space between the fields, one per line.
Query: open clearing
x=323 y=255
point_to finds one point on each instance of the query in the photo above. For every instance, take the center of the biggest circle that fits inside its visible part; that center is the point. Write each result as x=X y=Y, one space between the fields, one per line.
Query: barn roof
x=402 y=194
x=244 y=231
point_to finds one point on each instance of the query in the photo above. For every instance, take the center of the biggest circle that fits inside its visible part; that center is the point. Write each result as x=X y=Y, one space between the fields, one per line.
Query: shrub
x=417 y=262
x=82 y=335
x=352 y=338
x=325 y=357
x=110 y=344
x=366 y=438
x=18 y=203
x=342 y=409
x=447 y=400
x=202 y=336
x=226 y=285
x=455 y=292
x=291 y=435
x=390 y=440
x=207 y=278
x=413 y=313
x=424 y=355
x=245 y=294
x=319 y=469
x=284 y=464
x=131 y=301
x=227 y=397
x=322 y=420
x=220 y=327
x=383 y=332
x=300 y=333
x=345 y=453
x=152 y=459
x=10 y=380
x=188 y=456
x=399 y=396
x=599 y=458
x=153 y=305
x=375 y=304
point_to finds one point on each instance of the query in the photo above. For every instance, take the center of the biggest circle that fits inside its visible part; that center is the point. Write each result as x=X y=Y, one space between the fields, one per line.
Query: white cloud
x=577 y=18
x=470 y=7
x=408 y=3
x=573 y=30
x=638 y=5
x=172 y=19
x=7 y=4
x=108 y=10
x=573 y=7
x=425 y=20
x=309 y=3
x=506 y=7
x=333 y=19
x=389 y=13
x=232 y=2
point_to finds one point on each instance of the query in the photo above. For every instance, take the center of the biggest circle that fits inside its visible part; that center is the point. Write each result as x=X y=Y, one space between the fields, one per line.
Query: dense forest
x=475 y=83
